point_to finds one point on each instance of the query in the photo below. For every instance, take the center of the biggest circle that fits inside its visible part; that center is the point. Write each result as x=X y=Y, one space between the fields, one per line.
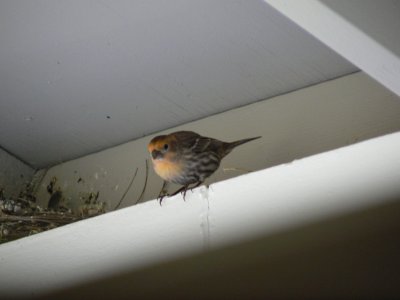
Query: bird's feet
x=183 y=190
x=163 y=193
x=160 y=198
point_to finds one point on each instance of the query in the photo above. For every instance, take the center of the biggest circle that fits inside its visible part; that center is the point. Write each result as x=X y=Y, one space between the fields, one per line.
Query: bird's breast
x=167 y=170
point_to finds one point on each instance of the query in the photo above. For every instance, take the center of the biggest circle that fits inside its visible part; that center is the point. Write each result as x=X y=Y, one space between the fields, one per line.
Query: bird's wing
x=201 y=144
x=193 y=141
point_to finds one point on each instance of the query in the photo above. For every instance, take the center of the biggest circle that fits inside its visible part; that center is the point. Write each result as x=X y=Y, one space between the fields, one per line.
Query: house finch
x=185 y=157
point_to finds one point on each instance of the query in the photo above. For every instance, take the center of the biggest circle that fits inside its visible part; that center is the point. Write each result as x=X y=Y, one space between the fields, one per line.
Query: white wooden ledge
x=268 y=201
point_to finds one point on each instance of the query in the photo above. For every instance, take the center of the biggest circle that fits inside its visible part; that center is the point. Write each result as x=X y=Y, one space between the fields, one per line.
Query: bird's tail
x=228 y=147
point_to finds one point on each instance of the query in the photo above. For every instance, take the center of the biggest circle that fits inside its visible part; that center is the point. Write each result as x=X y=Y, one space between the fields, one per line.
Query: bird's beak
x=156 y=154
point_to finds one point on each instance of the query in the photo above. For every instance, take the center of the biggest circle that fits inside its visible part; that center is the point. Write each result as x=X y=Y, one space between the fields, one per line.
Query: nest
x=21 y=217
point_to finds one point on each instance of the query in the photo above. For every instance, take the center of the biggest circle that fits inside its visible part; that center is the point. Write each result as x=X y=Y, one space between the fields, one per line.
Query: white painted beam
x=367 y=42
x=256 y=204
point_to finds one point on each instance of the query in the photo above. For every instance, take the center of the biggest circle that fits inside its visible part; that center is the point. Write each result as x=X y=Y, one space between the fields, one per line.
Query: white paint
x=302 y=123
x=360 y=31
x=306 y=190
x=263 y=202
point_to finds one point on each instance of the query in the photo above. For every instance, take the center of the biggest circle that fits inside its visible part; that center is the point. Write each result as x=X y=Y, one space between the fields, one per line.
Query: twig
x=23 y=200
x=145 y=182
x=127 y=189
x=40 y=218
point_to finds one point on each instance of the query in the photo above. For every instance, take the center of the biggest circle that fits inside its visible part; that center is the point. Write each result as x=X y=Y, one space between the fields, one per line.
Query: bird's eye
x=165 y=147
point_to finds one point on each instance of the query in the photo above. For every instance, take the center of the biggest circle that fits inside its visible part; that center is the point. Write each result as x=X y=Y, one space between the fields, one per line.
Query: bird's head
x=162 y=147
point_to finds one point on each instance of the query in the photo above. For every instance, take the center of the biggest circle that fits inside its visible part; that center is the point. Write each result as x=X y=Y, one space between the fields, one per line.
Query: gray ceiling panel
x=80 y=76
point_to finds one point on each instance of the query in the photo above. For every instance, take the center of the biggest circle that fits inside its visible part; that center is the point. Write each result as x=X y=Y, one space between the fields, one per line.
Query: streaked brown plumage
x=185 y=157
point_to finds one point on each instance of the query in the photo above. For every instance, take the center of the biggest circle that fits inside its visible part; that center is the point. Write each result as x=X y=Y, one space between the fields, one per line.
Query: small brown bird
x=185 y=157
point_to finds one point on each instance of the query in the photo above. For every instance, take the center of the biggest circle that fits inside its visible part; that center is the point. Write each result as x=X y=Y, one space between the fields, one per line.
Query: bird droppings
x=50 y=186
x=22 y=216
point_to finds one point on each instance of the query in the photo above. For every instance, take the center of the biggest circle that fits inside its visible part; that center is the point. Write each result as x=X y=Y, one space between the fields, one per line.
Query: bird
x=187 y=158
